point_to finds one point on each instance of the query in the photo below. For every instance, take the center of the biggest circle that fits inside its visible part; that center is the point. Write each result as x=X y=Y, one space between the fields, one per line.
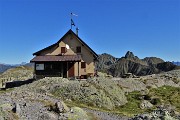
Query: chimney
x=77 y=31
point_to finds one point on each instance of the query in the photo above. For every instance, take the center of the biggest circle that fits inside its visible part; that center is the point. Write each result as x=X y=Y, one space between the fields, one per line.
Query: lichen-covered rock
x=48 y=116
x=100 y=92
x=6 y=113
x=77 y=114
x=6 y=107
x=61 y=107
x=145 y=104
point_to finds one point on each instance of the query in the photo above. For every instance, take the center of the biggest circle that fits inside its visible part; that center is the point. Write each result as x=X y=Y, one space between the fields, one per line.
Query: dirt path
x=105 y=115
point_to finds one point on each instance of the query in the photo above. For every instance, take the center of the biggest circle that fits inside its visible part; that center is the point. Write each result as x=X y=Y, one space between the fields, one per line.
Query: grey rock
x=1 y=118
x=17 y=108
x=48 y=116
x=61 y=107
x=159 y=114
x=145 y=104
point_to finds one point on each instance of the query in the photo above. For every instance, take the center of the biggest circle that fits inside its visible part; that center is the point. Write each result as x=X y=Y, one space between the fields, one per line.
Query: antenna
x=77 y=29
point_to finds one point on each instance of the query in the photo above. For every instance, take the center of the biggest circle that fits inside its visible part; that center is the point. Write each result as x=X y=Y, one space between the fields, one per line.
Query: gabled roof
x=57 y=44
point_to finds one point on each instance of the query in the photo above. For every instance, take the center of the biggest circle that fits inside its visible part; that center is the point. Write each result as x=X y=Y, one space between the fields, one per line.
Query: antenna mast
x=71 y=20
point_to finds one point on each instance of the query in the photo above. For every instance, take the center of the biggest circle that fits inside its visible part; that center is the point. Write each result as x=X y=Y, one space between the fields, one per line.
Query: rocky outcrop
x=97 y=92
x=159 y=114
x=166 y=66
x=153 y=60
x=132 y=64
x=104 y=62
x=128 y=65
x=145 y=104
x=34 y=102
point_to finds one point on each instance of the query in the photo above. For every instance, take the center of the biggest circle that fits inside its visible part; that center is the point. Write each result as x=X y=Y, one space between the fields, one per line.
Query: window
x=39 y=66
x=78 y=49
x=83 y=64
x=63 y=50
x=48 y=66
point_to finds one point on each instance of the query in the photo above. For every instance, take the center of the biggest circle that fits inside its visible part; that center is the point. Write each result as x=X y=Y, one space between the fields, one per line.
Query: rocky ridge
x=132 y=64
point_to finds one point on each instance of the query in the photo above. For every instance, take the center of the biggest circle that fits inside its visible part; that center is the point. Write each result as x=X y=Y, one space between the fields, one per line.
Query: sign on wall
x=39 y=66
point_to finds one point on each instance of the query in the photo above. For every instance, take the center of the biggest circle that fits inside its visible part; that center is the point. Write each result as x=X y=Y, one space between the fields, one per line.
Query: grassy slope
x=17 y=73
x=167 y=95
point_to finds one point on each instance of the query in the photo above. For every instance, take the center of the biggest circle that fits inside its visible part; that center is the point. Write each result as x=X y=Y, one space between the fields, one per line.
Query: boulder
x=17 y=108
x=77 y=114
x=6 y=107
x=4 y=112
x=61 y=107
x=48 y=116
x=145 y=104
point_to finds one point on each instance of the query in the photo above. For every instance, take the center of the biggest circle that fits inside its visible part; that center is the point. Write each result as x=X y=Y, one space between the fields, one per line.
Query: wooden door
x=70 y=69
x=64 y=69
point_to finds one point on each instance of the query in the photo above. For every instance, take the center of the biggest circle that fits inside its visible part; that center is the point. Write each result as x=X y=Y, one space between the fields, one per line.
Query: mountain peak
x=129 y=55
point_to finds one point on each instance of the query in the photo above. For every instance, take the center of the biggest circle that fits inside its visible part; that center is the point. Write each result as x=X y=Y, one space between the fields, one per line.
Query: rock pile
x=159 y=114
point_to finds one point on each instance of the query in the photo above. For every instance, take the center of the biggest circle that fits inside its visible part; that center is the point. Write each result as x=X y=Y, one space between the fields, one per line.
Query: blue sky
x=145 y=27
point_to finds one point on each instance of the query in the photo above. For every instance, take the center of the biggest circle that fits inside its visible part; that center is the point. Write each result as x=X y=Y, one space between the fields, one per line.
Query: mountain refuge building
x=70 y=57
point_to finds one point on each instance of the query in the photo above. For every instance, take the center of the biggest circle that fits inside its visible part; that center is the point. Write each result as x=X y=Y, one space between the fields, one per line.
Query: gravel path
x=106 y=115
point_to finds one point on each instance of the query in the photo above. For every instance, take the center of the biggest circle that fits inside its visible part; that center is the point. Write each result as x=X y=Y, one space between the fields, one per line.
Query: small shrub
x=147 y=97
x=155 y=101
x=148 y=87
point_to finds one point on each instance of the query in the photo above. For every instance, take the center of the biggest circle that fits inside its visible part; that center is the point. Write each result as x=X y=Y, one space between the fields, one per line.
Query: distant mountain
x=176 y=63
x=29 y=65
x=132 y=64
x=4 y=67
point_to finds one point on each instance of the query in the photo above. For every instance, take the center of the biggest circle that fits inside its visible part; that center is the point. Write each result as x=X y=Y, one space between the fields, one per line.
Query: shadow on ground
x=18 y=83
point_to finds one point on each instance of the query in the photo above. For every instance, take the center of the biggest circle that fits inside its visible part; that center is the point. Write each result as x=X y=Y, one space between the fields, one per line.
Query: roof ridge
x=57 y=43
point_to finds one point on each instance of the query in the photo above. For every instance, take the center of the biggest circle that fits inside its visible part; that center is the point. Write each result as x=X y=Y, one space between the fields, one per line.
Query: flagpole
x=71 y=21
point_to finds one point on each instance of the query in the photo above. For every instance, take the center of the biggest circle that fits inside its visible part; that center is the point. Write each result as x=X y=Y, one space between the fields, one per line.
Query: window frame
x=63 y=49
x=83 y=65
x=78 y=49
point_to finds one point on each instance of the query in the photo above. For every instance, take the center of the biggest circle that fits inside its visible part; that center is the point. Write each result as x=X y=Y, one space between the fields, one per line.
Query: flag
x=72 y=22
x=74 y=14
